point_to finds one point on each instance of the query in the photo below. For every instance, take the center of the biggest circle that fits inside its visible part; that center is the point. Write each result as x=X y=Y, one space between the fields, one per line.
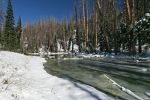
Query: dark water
x=92 y=72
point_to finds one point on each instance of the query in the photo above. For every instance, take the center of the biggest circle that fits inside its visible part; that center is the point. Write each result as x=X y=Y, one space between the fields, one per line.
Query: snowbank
x=144 y=57
x=23 y=78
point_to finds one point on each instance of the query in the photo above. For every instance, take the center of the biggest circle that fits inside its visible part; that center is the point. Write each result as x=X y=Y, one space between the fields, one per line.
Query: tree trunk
x=84 y=23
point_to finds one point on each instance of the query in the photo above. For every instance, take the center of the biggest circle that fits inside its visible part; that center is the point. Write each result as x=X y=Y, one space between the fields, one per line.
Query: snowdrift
x=24 y=78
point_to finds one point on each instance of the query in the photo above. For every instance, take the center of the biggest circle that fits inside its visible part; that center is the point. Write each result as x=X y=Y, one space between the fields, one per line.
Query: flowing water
x=92 y=72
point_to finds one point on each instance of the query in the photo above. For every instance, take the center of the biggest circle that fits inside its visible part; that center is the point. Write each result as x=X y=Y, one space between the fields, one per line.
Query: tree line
x=10 y=34
x=101 y=26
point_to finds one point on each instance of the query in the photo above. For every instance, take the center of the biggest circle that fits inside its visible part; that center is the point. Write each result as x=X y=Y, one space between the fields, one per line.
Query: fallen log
x=147 y=94
x=129 y=92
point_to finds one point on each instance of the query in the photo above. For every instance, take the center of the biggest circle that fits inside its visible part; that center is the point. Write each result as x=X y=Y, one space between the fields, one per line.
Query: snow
x=60 y=48
x=147 y=93
x=137 y=58
x=91 y=55
x=124 y=89
x=24 y=78
x=147 y=14
x=142 y=25
x=75 y=47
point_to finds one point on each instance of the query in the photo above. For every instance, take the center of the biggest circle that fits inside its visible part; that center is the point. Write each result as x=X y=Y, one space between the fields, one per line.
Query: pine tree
x=9 y=30
x=142 y=29
x=0 y=37
x=1 y=20
x=19 y=32
x=1 y=13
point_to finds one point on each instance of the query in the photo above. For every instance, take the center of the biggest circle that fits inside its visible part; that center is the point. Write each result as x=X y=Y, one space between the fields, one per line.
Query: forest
x=118 y=26
x=101 y=51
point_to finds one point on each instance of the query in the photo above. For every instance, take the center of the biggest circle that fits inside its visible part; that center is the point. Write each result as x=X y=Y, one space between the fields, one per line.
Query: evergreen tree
x=1 y=13
x=19 y=32
x=1 y=21
x=142 y=29
x=9 y=30
x=0 y=37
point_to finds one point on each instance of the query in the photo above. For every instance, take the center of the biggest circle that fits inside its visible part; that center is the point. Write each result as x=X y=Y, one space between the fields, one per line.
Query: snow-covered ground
x=24 y=78
x=146 y=57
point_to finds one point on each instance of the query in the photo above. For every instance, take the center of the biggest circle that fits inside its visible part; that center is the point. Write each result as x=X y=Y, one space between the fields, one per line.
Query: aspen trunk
x=128 y=15
x=96 y=32
x=84 y=23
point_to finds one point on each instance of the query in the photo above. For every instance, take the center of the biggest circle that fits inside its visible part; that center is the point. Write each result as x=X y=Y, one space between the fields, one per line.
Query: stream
x=133 y=76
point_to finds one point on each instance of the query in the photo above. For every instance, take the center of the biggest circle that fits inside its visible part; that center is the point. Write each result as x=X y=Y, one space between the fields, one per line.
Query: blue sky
x=33 y=10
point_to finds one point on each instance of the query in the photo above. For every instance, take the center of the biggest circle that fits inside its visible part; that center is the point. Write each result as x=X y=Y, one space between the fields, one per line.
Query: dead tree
x=85 y=22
